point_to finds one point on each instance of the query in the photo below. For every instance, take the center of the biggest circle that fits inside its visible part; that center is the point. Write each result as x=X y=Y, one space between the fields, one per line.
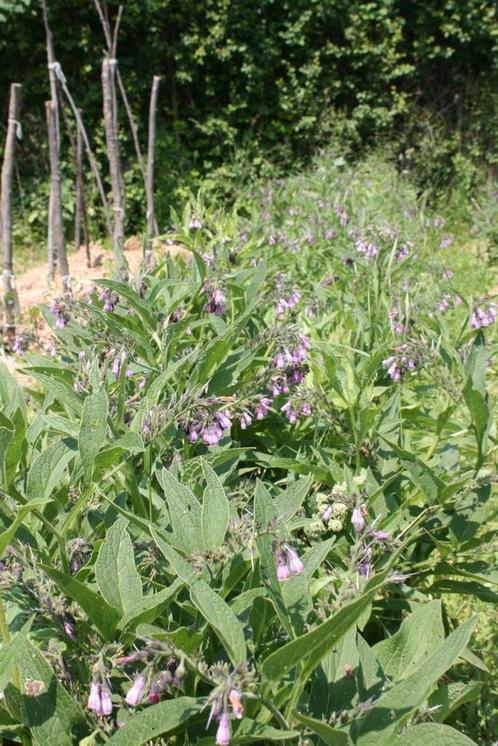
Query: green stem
x=5 y=634
x=4 y=627
x=295 y=694
x=274 y=711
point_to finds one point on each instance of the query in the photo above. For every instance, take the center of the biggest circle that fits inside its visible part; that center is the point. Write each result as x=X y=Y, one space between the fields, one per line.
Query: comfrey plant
x=223 y=519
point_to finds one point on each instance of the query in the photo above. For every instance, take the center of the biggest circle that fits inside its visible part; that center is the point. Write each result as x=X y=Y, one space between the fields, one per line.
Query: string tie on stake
x=56 y=67
x=9 y=279
x=18 y=127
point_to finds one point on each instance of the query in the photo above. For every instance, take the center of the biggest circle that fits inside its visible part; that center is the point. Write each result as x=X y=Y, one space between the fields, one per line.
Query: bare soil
x=34 y=287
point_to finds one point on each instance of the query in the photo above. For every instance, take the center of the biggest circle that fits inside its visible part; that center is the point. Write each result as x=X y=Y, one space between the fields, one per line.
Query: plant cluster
x=237 y=492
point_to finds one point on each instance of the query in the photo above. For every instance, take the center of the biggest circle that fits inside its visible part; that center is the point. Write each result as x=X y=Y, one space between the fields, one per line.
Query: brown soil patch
x=34 y=287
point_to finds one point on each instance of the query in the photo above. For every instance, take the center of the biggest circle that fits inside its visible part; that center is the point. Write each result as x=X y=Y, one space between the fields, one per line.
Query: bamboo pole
x=11 y=301
x=111 y=134
x=149 y=182
x=55 y=186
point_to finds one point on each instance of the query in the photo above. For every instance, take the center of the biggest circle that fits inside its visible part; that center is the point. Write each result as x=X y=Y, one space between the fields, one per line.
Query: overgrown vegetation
x=240 y=492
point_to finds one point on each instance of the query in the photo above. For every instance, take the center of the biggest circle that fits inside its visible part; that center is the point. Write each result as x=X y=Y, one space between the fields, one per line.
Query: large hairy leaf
x=115 y=571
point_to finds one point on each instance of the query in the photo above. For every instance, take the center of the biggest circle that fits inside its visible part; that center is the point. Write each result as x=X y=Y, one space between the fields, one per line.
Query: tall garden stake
x=111 y=134
x=80 y=215
x=111 y=42
x=52 y=258
x=91 y=158
x=9 y=287
x=151 y=221
x=55 y=187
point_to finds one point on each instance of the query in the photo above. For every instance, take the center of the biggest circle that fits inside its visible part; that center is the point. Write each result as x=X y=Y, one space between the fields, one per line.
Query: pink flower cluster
x=484 y=315
x=287 y=561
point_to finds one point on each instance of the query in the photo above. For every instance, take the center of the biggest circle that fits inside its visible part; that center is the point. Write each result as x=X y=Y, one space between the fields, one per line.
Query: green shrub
x=247 y=481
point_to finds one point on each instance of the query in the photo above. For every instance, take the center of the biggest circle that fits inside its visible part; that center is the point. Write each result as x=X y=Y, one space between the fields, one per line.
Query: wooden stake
x=149 y=182
x=80 y=214
x=11 y=301
x=111 y=134
x=52 y=258
x=111 y=39
x=91 y=158
x=55 y=186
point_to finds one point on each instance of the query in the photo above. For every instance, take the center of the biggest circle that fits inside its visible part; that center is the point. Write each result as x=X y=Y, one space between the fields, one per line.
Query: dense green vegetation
x=246 y=487
x=252 y=86
x=249 y=493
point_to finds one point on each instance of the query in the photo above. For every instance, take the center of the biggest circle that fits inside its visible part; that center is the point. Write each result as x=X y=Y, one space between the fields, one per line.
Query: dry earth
x=34 y=287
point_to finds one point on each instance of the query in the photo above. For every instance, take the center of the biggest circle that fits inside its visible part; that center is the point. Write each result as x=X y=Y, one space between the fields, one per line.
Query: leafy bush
x=239 y=492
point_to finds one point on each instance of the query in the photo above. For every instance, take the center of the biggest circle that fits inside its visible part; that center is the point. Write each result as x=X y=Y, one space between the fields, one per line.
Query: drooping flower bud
x=135 y=693
x=94 y=698
x=295 y=565
x=223 y=732
x=105 y=700
x=283 y=571
x=69 y=627
x=213 y=713
x=358 y=520
x=236 y=702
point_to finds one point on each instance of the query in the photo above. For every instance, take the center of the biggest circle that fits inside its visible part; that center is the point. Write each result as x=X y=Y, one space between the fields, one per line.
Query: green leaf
x=115 y=572
x=7 y=535
x=182 y=638
x=53 y=716
x=212 y=607
x=10 y=654
x=129 y=443
x=185 y=512
x=11 y=395
x=422 y=476
x=156 y=721
x=451 y=696
x=48 y=468
x=433 y=734
x=328 y=735
x=103 y=616
x=418 y=637
x=61 y=391
x=479 y=411
x=333 y=689
x=221 y=618
x=465 y=588
x=138 y=305
x=6 y=436
x=265 y=511
x=150 y=607
x=289 y=502
x=296 y=590
x=262 y=510
x=93 y=429
x=394 y=707
x=215 y=510
x=249 y=730
x=312 y=647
